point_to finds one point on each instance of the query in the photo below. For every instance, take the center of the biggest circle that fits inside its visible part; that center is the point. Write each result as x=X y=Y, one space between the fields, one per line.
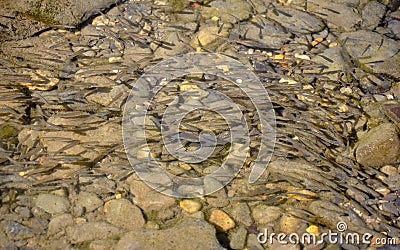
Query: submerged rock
x=372 y=14
x=339 y=15
x=122 y=213
x=210 y=38
x=237 y=238
x=191 y=234
x=334 y=61
x=373 y=52
x=89 y=201
x=59 y=223
x=17 y=231
x=230 y=11
x=393 y=112
x=379 y=146
x=296 y=20
x=52 y=204
x=262 y=33
x=91 y=231
x=69 y=12
x=264 y=214
x=190 y=206
x=221 y=220
x=147 y=198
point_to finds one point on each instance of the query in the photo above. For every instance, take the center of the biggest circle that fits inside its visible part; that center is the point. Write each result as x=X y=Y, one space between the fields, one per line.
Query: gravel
x=329 y=68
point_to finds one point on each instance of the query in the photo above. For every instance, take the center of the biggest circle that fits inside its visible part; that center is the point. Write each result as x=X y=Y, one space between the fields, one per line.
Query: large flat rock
x=192 y=234
x=66 y=12
x=373 y=52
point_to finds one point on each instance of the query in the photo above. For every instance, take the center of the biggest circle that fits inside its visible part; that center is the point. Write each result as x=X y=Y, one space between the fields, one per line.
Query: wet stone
x=19 y=26
x=113 y=98
x=218 y=199
x=190 y=234
x=261 y=6
x=211 y=184
x=281 y=246
x=147 y=198
x=394 y=26
x=241 y=213
x=122 y=213
x=99 y=186
x=374 y=52
x=136 y=53
x=264 y=214
x=289 y=224
x=102 y=244
x=104 y=59
x=17 y=231
x=330 y=214
x=24 y=212
x=70 y=12
x=89 y=201
x=341 y=16
x=91 y=231
x=52 y=204
x=177 y=44
x=237 y=238
x=56 y=244
x=209 y=37
x=104 y=135
x=39 y=226
x=372 y=14
x=229 y=11
x=333 y=59
x=262 y=33
x=390 y=208
x=389 y=170
x=221 y=220
x=59 y=223
x=296 y=20
x=3 y=239
x=379 y=146
x=190 y=206
x=253 y=243
x=393 y=112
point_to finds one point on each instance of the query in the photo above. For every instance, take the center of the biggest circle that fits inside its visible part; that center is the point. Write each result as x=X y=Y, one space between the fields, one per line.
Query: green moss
x=177 y=5
x=46 y=10
x=7 y=132
x=152 y=216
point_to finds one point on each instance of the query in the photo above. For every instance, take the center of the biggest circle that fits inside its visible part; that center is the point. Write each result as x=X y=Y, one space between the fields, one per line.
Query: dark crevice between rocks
x=41 y=32
x=90 y=19
x=223 y=240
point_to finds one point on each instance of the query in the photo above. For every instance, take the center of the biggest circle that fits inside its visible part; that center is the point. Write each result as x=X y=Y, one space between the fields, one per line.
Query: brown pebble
x=221 y=220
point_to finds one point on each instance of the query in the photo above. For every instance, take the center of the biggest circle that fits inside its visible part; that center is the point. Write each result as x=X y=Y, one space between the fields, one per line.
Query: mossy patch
x=177 y=5
x=7 y=132
x=45 y=11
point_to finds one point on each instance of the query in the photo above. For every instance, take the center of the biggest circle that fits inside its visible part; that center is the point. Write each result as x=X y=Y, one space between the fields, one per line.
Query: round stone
x=190 y=206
